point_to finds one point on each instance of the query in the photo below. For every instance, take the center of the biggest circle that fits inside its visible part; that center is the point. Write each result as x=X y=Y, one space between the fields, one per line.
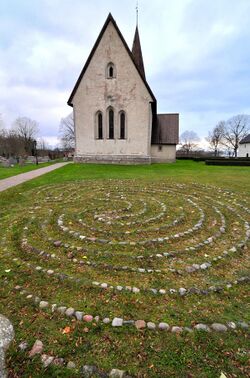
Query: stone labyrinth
x=129 y=254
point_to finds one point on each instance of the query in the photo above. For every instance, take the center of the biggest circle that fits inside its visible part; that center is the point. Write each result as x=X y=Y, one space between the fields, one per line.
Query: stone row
x=70 y=312
x=85 y=371
x=119 y=288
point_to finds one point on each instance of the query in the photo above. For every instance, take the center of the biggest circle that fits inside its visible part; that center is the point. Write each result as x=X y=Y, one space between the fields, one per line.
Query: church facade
x=115 y=110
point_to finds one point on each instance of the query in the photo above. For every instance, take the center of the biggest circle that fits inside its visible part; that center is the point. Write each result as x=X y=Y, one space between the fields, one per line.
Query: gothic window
x=99 y=125
x=111 y=123
x=122 y=125
x=110 y=71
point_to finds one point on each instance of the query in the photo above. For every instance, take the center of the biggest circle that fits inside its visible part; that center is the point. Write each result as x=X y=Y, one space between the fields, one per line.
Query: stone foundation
x=113 y=159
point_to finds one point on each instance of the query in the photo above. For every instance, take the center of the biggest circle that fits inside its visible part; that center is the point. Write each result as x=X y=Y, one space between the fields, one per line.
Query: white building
x=115 y=110
x=244 y=147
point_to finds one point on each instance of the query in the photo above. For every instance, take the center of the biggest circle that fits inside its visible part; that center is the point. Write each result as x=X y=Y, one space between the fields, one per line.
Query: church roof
x=245 y=140
x=166 y=129
x=108 y=20
x=137 y=53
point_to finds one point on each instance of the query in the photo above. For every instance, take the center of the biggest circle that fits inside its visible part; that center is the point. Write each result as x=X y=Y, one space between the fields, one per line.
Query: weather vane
x=137 y=9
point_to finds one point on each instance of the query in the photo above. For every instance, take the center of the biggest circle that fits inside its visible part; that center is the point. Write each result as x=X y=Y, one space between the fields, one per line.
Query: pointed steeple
x=137 y=53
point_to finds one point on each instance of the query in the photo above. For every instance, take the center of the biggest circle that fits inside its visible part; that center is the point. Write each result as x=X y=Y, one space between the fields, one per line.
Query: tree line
x=226 y=135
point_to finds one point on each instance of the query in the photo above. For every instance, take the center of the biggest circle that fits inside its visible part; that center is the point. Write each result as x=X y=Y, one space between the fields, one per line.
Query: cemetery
x=127 y=277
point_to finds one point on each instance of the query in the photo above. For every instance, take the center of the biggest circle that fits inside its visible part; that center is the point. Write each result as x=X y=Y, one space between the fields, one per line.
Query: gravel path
x=22 y=177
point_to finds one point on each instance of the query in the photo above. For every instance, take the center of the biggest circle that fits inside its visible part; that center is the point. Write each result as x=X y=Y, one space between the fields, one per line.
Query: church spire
x=136 y=49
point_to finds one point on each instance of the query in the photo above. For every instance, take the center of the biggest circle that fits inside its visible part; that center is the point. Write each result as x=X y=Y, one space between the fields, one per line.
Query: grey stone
x=79 y=315
x=71 y=365
x=231 y=325
x=70 y=311
x=46 y=360
x=43 y=304
x=6 y=336
x=23 y=345
x=104 y=285
x=202 y=327
x=219 y=327
x=106 y=320
x=61 y=309
x=243 y=325
x=88 y=371
x=116 y=373
x=117 y=322
x=176 y=329
x=182 y=291
x=163 y=326
x=151 y=325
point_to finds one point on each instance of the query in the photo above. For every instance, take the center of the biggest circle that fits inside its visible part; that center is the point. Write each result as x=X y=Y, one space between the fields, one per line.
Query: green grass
x=82 y=191
x=6 y=172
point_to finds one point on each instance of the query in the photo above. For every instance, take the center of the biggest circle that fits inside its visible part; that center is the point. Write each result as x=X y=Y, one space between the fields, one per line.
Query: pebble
x=140 y=324
x=231 y=325
x=70 y=311
x=88 y=371
x=57 y=243
x=58 y=361
x=53 y=307
x=71 y=365
x=176 y=329
x=87 y=318
x=182 y=291
x=202 y=327
x=219 y=327
x=135 y=290
x=119 y=288
x=50 y=272
x=23 y=345
x=61 y=309
x=78 y=315
x=163 y=326
x=116 y=373
x=46 y=360
x=243 y=325
x=37 y=348
x=43 y=304
x=104 y=285
x=106 y=320
x=162 y=291
x=151 y=325
x=117 y=322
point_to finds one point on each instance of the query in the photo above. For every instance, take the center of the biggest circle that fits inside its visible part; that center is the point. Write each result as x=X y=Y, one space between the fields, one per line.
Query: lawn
x=6 y=172
x=164 y=244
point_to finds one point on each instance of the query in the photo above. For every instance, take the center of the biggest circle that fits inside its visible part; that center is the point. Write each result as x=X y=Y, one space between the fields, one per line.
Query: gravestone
x=6 y=336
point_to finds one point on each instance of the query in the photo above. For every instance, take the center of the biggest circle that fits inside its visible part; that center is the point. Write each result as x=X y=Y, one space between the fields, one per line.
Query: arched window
x=111 y=123
x=100 y=129
x=110 y=71
x=99 y=125
x=122 y=125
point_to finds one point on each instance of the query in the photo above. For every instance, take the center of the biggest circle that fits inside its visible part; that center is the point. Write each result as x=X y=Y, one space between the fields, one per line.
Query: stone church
x=115 y=110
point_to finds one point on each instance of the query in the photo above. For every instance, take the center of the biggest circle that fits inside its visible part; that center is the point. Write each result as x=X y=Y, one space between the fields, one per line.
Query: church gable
x=111 y=29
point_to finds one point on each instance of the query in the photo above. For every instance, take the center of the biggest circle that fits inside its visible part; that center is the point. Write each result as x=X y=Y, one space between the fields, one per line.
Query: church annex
x=115 y=110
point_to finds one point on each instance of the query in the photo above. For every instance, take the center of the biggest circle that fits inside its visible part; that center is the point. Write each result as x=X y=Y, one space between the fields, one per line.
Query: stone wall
x=163 y=153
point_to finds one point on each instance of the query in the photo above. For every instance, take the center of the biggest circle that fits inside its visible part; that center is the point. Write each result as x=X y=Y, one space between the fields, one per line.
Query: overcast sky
x=196 y=56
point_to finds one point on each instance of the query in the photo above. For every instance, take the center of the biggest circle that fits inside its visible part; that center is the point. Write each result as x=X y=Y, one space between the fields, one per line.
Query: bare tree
x=236 y=128
x=215 y=137
x=27 y=130
x=189 y=141
x=67 y=132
